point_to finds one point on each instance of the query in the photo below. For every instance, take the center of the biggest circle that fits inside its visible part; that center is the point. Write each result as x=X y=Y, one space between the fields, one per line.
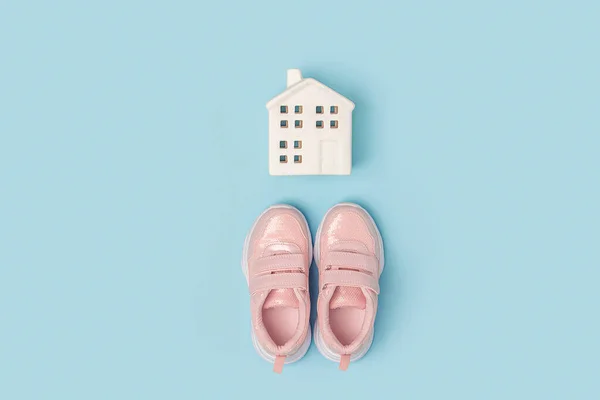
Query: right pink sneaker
x=349 y=254
x=276 y=260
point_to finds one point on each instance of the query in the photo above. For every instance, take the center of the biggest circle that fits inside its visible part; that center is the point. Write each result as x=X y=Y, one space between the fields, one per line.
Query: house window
x=283 y=159
x=298 y=109
x=297 y=144
x=333 y=124
x=319 y=109
x=297 y=159
x=283 y=123
x=283 y=109
x=298 y=123
x=320 y=124
x=283 y=144
x=333 y=110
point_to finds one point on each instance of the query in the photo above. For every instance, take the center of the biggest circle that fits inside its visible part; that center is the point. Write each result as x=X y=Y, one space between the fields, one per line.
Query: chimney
x=293 y=76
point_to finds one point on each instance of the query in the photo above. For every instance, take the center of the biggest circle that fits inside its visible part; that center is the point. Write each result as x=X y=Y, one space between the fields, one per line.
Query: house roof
x=298 y=87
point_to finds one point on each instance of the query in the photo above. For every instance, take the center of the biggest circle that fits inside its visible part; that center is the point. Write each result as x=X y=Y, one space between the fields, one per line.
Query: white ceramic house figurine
x=310 y=129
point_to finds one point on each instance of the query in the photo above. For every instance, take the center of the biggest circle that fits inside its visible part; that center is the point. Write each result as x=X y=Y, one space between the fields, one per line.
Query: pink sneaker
x=277 y=256
x=349 y=254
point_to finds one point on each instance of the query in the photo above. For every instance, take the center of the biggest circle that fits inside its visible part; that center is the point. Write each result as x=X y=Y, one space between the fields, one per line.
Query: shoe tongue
x=345 y=296
x=280 y=298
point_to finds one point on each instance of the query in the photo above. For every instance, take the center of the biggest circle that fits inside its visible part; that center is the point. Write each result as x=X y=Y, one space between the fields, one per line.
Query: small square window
x=319 y=109
x=283 y=144
x=283 y=109
x=333 y=124
x=320 y=124
x=298 y=109
x=297 y=144
x=298 y=123
x=283 y=159
x=333 y=110
x=283 y=124
x=297 y=159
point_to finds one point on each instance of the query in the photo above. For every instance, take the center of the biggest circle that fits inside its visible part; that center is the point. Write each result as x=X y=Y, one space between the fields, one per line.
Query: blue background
x=133 y=160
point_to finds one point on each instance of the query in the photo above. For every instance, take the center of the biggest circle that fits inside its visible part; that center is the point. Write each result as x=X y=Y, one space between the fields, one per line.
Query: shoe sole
x=319 y=342
x=292 y=358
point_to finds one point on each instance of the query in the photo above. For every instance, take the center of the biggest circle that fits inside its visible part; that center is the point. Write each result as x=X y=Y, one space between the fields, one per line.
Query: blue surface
x=133 y=159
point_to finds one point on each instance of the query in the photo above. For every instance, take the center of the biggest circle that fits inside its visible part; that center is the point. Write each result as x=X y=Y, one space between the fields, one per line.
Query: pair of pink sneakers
x=277 y=256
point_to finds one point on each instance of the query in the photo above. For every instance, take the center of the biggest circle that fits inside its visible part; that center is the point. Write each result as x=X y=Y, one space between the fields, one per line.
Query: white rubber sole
x=306 y=344
x=321 y=346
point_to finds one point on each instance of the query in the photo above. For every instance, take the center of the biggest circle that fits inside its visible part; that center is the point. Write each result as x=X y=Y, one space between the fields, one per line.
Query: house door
x=328 y=157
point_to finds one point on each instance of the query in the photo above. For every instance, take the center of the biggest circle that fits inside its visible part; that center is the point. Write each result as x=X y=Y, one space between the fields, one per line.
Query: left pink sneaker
x=276 y=260
x=349 y=254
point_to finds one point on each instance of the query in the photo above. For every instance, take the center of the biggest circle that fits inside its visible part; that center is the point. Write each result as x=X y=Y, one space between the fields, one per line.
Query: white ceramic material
x=310 y=129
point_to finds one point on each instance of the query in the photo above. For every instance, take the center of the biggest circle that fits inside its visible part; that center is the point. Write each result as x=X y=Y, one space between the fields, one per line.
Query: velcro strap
x=349 y=278
x=353 y=260
x=294 y=280
x=277 y=262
